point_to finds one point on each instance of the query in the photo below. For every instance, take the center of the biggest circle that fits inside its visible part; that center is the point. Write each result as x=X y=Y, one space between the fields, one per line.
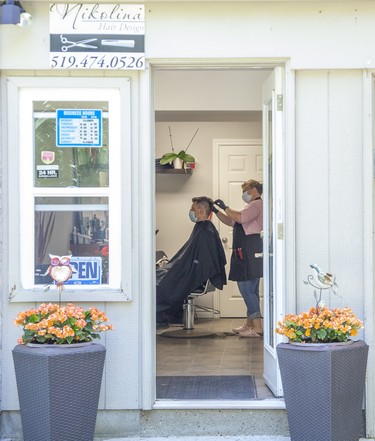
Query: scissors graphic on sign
x=81 y=43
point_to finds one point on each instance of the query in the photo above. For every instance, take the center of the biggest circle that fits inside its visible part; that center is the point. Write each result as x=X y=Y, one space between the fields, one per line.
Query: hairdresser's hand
x=214 y=209
x=221 y=204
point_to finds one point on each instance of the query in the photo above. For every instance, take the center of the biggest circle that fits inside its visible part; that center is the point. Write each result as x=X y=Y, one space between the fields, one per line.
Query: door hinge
x=280 y=102
x=280 y=231
x=12 y=292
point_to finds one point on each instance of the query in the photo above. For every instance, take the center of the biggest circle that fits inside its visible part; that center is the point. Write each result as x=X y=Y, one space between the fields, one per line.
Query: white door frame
x=273 y=223
x=146 y=229
x=368 y=191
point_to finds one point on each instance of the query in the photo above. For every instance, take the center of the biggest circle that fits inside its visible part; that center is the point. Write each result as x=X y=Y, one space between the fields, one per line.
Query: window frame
x=22 y=192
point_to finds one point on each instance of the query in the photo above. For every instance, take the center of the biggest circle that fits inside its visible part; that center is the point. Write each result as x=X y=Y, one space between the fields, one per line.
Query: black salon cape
x=201 y=258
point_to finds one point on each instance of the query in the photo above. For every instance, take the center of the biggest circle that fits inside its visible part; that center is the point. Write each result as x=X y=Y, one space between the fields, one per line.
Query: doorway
x=219 y=104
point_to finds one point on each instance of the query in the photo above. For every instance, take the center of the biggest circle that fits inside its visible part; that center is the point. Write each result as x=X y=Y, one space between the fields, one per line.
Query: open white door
x=273 y=237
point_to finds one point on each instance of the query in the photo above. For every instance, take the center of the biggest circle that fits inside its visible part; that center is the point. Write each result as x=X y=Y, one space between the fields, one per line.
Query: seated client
x=202 y=258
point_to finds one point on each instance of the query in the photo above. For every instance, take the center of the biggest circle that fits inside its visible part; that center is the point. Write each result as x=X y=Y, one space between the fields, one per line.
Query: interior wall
x=174 y=192
x=210 y=89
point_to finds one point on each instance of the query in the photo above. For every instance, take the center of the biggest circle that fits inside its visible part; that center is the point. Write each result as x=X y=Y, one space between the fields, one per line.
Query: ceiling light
x=12 y=12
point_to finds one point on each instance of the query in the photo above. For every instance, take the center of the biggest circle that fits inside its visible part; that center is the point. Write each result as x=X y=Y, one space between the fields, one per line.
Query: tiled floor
x=221 y=354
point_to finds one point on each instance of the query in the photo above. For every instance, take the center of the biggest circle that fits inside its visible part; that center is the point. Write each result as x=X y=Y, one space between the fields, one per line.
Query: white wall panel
x=121 y=376
x=311 y=34
x=311 y=178
x=329 y=203
x=345 y=184
x=121 y=379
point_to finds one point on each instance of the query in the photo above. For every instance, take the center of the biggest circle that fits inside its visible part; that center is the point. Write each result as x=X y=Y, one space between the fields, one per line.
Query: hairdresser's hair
x=205 y=202
x=250 y=184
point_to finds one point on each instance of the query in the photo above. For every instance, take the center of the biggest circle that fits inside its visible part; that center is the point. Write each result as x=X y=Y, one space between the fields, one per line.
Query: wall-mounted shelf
x=174 y=171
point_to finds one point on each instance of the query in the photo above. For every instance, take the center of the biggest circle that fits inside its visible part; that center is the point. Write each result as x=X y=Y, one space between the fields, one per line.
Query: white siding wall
x=328 y=216
x=121 y=378
x=329 y=203
x=312 y=34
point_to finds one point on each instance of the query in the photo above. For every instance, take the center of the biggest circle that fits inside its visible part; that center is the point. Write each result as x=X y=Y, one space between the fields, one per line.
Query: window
x=70 y=177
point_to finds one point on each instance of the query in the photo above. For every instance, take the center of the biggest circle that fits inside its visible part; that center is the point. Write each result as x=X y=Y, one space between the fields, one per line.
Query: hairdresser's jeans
x=249 y=290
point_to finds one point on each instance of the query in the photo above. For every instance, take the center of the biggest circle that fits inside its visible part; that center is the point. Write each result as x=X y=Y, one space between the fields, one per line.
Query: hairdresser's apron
x=243 y=264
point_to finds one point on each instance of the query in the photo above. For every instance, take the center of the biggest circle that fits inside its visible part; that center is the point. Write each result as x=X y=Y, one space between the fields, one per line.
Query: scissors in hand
x=81 y=43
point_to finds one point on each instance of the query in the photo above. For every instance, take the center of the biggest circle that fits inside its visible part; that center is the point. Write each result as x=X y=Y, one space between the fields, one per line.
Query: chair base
x=188 y=330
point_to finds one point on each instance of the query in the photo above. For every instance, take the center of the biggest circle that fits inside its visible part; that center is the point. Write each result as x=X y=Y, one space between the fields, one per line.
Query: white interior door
x=273 y=237
x=237 y=161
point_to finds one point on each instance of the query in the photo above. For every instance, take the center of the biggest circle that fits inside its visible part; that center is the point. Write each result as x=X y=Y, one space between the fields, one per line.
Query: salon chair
x=189 y=313
x=161 y=259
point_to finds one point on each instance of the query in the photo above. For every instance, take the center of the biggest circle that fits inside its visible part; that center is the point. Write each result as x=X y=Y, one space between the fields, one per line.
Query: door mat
x=206 y=387
x=195 y=333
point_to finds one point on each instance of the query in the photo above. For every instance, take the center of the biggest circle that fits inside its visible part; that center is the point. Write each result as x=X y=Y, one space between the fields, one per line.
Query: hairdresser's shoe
x=249 y=333
x=241 y=328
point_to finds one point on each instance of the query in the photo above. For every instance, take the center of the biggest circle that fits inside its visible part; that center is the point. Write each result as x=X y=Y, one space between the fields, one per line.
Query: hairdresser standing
x=245 y=268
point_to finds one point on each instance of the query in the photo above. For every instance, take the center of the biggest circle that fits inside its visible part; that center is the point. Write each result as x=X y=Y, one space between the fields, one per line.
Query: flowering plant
x=55 y=324
x=320 y=324
x=168 y=158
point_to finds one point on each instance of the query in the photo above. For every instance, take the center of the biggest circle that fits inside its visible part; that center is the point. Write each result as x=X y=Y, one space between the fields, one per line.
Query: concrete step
x=201 y=438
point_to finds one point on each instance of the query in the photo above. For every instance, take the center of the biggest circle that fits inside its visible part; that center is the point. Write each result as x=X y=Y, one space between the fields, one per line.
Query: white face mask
x=246 y=197
x=192 y=216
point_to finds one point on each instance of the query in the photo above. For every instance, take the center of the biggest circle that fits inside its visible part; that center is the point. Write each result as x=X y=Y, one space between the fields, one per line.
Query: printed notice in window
x=79 y=128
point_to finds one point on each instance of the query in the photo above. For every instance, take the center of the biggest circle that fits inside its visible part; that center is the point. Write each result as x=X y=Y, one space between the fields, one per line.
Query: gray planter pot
x=323 y=390
x=58 y=390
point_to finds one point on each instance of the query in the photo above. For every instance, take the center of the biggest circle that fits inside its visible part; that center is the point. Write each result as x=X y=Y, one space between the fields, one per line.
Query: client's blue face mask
x=192 y=216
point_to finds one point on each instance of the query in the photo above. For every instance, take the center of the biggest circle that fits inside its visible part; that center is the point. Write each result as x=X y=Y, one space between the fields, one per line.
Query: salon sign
x=97 y=36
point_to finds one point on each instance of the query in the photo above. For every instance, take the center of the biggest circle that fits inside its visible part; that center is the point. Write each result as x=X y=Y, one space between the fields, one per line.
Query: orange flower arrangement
x=320 y=325
x=55 y=324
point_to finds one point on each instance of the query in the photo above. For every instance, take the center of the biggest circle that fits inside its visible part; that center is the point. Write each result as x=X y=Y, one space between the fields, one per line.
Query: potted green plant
x=178 y=159
x=323 y=369
x=59 y=368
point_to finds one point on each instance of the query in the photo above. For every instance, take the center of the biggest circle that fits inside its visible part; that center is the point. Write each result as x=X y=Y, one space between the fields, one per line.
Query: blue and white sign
x=79 y=128
x=88 y=271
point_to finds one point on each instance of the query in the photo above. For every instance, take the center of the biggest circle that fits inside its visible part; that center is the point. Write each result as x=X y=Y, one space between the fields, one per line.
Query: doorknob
x=224 y=239
x=258 y=255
